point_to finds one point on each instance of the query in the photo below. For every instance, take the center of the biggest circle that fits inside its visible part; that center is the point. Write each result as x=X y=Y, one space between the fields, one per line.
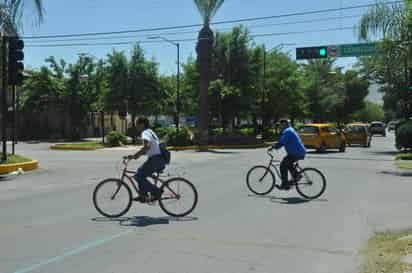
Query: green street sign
x=357 y=50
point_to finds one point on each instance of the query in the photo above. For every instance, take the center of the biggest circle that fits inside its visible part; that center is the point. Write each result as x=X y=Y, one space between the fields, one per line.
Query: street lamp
x=177 y=77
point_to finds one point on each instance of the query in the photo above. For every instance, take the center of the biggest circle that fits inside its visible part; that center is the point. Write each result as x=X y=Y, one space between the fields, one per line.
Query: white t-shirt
x=153 y=140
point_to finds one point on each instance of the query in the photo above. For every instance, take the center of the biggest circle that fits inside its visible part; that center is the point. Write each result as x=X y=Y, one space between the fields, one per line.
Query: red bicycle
x=113 y=197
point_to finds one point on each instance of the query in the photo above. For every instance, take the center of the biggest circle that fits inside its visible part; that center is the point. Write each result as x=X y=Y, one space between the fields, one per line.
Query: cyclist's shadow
x=287 y=200
x=144 y=221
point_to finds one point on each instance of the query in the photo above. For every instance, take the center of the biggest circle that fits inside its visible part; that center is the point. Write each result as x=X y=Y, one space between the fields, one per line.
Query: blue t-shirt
x=292 y=143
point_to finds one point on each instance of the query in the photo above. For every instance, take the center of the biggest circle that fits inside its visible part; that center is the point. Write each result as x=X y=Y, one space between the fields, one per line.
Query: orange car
x=322 y=136
x=358 y=133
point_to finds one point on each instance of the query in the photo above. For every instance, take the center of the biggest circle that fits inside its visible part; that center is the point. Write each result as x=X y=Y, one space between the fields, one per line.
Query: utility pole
x=4 y=97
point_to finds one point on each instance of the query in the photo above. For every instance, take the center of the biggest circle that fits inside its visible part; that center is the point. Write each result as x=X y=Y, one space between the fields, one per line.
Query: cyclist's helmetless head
x=142 y=124
x=284 y=123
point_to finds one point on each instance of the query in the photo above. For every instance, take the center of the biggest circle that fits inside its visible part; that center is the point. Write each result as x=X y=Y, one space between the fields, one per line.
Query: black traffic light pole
x=4 y=97
x=14 y=121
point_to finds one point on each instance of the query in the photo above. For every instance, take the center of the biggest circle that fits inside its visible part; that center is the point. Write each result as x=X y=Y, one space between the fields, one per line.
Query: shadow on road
x=143 y=221
x=323 y=153
x=287 y=200
x=383 y=152
x=216 y=152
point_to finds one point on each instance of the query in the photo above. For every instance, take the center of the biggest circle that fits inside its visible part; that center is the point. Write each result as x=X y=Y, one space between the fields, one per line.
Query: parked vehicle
x=358 y=134
x=377 y=128
x=322 y=136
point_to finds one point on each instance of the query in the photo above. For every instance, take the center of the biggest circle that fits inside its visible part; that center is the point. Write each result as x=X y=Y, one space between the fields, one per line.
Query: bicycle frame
x=276 y=166
x=156 y=178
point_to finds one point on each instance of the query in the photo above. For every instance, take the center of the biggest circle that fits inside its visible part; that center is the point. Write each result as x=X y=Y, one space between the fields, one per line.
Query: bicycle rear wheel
x=112 y=198
x=179 y=197
x=312 y=184
x=260 y=180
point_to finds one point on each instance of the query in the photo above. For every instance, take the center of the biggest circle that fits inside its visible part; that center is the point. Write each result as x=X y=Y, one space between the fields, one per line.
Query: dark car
x=377 y=128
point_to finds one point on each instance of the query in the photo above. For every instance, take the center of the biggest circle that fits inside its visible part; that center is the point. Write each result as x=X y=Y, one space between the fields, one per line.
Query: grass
x=383 y=254
x=84 y=145
x=12 y=159
x=404 y=161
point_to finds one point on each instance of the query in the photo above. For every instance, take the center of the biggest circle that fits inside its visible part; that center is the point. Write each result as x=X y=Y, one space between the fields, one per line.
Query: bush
x=247 y=131
x=404 y=135
x=217 y=131
x=269 y=134
x=163 y=132
x=116 y=138
x=182 y=139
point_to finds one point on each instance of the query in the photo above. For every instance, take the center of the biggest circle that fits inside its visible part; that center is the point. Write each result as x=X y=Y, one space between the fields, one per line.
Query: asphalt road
x=48 y=223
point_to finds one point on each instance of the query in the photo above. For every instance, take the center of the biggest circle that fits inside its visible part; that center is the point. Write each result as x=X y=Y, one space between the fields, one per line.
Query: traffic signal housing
x=315 y=52
x=15 y=64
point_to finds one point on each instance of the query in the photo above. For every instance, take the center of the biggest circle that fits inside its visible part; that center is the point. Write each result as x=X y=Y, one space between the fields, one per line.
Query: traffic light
x=315 y=52
x=16 y=57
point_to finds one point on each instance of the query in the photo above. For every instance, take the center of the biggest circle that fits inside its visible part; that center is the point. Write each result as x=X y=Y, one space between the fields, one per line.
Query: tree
x=11 y=14
x=207 y=9
x=392 y=24
x=370 y=112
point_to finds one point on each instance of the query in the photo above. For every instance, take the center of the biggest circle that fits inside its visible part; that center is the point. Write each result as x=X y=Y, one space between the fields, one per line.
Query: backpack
x=164 y=152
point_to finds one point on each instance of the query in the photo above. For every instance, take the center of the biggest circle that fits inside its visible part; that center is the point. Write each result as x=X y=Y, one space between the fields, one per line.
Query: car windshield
x=309 y=130
x=355 y=129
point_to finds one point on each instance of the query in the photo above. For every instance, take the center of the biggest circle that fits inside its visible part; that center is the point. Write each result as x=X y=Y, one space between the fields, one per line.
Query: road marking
x=73 y=252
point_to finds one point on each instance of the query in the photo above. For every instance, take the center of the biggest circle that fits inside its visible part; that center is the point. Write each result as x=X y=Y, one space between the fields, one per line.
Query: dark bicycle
x=310 y=183
x=113 y=197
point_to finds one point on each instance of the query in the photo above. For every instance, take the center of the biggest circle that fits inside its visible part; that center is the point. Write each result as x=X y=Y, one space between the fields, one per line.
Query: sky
x=80 y=16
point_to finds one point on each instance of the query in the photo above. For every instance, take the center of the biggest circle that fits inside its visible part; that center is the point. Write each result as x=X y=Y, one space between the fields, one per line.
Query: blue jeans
x=152 y=165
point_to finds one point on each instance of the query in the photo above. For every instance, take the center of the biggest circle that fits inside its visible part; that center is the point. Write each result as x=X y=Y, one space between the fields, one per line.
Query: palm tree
x=389 y=22
x=207 y=9
x=11 y=14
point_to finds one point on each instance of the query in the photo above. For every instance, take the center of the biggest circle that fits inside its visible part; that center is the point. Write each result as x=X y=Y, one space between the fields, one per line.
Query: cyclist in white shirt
x=154 y=163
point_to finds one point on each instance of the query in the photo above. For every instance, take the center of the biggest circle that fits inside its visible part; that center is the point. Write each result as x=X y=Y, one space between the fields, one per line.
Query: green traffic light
x=322 y=52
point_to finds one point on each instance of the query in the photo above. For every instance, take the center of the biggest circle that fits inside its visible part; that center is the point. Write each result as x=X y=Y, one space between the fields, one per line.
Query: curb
x=26 y=166
x=64 y=148
x=399 y=173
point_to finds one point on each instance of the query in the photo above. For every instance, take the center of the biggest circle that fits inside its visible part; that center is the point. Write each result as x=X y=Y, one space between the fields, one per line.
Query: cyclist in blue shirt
x=295 y=151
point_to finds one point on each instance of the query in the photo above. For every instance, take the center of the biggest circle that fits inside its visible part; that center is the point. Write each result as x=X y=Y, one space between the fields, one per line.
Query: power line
x=186 y=40
x=213 y=23
x=191 y=32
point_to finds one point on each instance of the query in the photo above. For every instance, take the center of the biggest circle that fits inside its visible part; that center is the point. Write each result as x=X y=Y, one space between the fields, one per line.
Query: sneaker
x=156 y=196
x=142 y=199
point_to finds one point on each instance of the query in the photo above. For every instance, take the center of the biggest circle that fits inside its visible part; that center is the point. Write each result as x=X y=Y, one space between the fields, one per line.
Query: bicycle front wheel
x=112 y=198
x=260 y=180
x=312 y=185
x=179 y=197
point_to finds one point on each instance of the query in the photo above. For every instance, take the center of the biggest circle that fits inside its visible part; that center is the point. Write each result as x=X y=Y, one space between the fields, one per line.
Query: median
x=404 y=161
x=83 y=146
x=387 y=253
x=15 y=162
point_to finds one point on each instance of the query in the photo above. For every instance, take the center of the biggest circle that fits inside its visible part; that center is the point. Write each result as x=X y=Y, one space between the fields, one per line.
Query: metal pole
x=14 y=120
x=17 y=114
x=4 y=98
x=178 y=88
x=263 y=87
x=102 y=123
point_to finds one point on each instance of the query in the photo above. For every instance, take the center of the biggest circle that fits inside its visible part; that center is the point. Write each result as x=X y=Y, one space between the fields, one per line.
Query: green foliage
x=183 y=138
x=208 y=8
x=404 y=135
x=371 y=112
x=247 y=131
x=116 y=138
x=164 y=132
x=404 y=156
